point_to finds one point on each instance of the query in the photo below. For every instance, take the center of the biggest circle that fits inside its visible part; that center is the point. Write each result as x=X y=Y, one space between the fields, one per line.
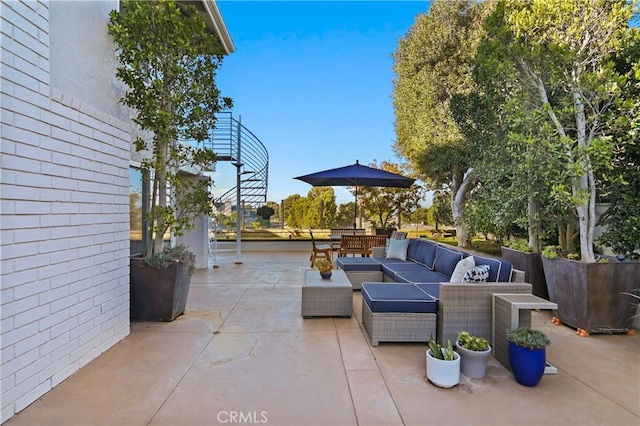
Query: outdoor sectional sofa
x=411 y=298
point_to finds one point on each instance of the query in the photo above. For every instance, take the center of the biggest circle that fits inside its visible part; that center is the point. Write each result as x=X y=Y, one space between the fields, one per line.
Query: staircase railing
x=233 y=142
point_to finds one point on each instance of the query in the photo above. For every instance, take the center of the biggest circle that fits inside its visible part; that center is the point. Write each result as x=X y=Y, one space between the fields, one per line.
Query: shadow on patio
x=242 y=353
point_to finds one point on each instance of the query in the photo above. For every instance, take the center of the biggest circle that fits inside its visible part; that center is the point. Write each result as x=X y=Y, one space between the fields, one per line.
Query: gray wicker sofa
x=413 y=299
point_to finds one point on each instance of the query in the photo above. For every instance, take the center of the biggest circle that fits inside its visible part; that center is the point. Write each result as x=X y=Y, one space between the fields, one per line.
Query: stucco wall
x=64 y=295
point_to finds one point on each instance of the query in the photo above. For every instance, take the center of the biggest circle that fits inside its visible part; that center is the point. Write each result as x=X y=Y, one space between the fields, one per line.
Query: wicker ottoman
x=398 y=313
x=332 y=297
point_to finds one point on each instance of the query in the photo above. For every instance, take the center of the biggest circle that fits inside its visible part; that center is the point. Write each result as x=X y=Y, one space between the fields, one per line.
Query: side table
x=332 y=297
x=511 y=311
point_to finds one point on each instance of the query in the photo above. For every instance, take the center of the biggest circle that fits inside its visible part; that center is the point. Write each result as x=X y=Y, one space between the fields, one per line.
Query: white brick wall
x=64 y=223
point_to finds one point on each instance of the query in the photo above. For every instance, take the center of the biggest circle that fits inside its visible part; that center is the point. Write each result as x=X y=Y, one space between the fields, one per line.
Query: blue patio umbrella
x=357 y=175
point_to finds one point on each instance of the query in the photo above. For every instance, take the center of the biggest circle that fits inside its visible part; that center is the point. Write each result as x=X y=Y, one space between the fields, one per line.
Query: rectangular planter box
x=157 y=294
x=589 y=294
x=531 y=264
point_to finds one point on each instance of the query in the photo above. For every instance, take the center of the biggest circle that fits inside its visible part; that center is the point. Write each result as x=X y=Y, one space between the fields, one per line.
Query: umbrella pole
x=355 y=209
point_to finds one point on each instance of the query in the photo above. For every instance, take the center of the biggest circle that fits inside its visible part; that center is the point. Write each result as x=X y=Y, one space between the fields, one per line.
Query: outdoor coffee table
x=331 y=297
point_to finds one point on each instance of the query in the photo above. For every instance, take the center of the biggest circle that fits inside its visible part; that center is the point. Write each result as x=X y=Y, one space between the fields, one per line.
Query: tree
x=345 y=215
x=433 y=64
x=265 y=212
x=418 y=216
x=276 y=210
x=322 y=207
x=563 y=53
x=382 y=204
x=623 y=218
x=168 y=62
x=440 y=211
x=294 y=210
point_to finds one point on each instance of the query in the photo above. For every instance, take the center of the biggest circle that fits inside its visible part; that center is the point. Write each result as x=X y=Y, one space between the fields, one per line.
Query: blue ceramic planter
x=527 y=365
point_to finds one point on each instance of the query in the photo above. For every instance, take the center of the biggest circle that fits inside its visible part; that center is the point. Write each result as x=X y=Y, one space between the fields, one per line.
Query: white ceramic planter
x=444 y=374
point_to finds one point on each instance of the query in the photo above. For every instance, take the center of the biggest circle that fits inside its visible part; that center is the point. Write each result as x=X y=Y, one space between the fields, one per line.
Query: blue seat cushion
x=383 y=297
x=358 y=264
x=391 y=269
x=446 y=260
x=386 y=260
x=425 y=276
x=499 y=269
x=432 y=289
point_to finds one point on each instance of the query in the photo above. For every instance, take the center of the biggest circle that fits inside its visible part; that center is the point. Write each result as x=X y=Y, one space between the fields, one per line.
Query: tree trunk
x=584 y=183
x=161 y=181
x=534 y=224
x=460 y=187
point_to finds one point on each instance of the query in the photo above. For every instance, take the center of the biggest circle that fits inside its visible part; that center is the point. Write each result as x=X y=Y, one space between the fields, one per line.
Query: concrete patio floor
x=243 y=354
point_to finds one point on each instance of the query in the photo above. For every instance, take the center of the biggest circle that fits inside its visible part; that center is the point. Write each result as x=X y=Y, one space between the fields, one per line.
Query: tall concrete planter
x=589 y=294
x=158 y=294
x=531 y=264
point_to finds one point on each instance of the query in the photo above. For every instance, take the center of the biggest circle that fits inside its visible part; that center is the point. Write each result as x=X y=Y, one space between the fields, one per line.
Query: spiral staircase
x=233 y=142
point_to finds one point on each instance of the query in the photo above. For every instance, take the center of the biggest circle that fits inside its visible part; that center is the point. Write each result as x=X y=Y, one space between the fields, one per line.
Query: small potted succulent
x=324 y=266
x=443 y=365
x=474 y=353
x=527 y=355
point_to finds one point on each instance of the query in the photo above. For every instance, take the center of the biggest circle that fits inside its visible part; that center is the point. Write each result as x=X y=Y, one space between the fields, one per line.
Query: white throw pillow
x=463 y=266
x=397 y=249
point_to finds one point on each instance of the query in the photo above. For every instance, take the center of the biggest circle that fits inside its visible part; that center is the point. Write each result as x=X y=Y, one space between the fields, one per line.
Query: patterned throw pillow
x=477 y=274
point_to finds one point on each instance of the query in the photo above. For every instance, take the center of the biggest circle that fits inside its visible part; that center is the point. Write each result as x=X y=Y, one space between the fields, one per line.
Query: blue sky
x=313 y=81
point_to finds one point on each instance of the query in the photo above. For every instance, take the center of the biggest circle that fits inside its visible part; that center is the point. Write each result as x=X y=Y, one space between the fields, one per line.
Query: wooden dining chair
x=319 y=251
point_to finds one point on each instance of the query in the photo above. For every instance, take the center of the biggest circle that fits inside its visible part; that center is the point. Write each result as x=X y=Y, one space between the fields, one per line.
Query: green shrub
x=472 y=343
x=520 y=245
x=439 y=352
x=550 y=252
x=169 y=255
x=528 y=338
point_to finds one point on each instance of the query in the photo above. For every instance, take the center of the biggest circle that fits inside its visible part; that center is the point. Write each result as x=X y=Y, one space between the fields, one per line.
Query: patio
x=242 y=353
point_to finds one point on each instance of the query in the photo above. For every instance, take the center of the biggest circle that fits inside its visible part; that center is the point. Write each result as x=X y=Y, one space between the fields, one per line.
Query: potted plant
x=474 y=354
x=527 y=355
x=167 y=62
x=443 y=365
x=324 y=266
x=524 y=258
x=160 y=284
x=589 y=294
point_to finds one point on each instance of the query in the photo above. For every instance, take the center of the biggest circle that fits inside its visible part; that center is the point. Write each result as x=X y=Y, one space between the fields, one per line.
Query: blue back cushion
x=446 y=260
x=428 y=253
x=423 y=252
x=499 y=269
x=412 y=250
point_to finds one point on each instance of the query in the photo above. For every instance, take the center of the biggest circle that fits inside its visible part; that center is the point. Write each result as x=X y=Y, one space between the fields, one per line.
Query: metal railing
x=233 y=142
